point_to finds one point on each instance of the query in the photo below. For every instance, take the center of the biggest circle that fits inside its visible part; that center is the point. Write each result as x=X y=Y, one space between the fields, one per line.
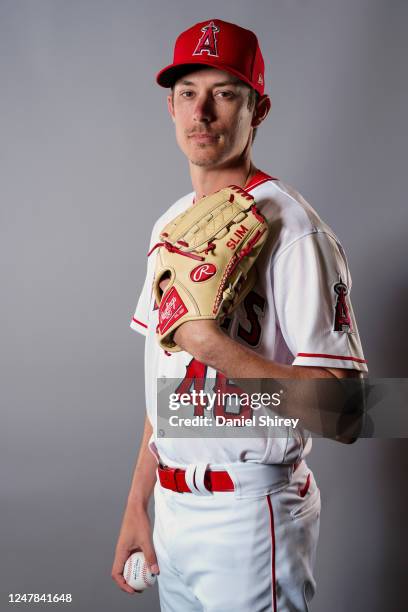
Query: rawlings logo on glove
x=224 y=232
x=203 y=272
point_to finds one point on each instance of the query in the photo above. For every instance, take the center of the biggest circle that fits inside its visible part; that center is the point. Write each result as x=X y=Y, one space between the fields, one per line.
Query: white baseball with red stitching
x=137 y=573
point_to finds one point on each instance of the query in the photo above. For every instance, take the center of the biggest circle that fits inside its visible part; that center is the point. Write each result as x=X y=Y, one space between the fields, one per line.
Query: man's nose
x=204 y=109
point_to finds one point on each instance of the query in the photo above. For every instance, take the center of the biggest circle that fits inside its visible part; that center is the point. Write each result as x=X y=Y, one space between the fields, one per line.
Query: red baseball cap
x=219 y=44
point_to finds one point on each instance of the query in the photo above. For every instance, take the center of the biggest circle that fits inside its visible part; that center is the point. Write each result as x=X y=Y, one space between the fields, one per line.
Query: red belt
x=175 y=479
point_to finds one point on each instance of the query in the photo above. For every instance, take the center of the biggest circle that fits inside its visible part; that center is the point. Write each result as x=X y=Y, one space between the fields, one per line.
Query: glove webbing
x=211 y=245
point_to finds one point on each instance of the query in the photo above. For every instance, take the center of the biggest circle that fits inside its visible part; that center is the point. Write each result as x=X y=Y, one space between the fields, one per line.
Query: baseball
x=137 y=573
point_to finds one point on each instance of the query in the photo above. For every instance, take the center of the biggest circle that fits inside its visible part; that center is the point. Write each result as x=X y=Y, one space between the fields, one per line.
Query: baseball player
x=237 y=519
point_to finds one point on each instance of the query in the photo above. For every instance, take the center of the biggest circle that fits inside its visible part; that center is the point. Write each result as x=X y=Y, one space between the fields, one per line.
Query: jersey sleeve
x=312 y=284
x=140 y=320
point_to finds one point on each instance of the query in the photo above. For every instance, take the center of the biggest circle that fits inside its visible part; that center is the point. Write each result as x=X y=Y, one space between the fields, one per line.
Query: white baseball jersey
x=298 y=313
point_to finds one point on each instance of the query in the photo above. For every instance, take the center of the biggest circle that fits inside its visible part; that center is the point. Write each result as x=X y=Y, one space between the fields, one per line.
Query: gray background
x=88 y=162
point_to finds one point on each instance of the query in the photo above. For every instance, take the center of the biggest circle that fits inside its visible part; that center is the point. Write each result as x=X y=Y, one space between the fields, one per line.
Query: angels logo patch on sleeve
x=342 y=318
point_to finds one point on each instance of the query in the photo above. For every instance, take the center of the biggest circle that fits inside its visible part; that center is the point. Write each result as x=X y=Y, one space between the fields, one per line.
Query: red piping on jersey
x=259 y=178
x=341 y=357
x=139 y=322
x=273 y=552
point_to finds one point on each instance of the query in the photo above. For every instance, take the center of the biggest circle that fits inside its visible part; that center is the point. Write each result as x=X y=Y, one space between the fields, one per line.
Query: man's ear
x=261 y=110
x=170 y=106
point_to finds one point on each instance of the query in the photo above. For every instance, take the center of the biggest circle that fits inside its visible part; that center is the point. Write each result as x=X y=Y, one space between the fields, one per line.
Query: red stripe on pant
x=273 y=552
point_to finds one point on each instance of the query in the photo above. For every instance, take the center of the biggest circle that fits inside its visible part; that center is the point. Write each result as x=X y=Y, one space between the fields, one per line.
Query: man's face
x=212 y=118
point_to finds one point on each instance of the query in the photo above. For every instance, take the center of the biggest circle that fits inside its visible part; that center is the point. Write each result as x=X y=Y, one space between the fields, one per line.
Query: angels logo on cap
x=208 y=41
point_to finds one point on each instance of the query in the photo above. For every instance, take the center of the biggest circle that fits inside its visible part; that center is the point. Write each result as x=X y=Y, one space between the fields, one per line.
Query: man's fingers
x=121 y=558
x=150 y=557
x=117 y=571
x=122 y=584
x=163 y=284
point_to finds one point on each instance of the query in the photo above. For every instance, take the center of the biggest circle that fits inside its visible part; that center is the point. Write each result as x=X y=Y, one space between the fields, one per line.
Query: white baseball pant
x=249 y=550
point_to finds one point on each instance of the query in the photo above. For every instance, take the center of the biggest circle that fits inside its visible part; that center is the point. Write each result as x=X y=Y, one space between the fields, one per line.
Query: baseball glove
x=207 y=253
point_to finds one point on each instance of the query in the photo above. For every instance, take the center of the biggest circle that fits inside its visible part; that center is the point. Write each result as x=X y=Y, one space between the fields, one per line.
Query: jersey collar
x=258 y=179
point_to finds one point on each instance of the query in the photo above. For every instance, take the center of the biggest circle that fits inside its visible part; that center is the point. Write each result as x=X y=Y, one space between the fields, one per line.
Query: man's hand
x=135 y=535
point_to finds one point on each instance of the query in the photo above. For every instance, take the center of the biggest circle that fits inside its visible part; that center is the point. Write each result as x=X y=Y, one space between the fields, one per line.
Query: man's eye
x=225 y=94
x=187 y=94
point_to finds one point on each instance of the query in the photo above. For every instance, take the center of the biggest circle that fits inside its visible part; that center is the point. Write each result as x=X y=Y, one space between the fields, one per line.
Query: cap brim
x=170 y=74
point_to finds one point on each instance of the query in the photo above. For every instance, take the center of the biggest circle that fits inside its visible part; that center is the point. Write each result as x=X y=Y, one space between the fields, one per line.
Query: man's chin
x=203 y=164
x=205 y=161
